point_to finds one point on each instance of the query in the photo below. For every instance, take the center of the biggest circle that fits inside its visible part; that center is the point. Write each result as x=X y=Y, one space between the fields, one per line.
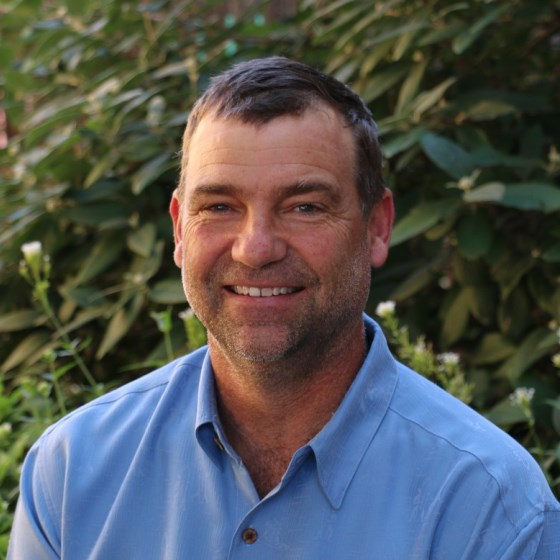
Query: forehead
x=315 y=143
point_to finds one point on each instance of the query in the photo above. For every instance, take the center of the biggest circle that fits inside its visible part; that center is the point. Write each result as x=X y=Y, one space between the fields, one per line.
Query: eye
x=307 y=208
x=217 y=208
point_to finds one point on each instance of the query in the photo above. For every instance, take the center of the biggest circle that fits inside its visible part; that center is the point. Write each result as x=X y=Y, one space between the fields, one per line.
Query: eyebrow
x=296 y=189
x=211 y=189
x=309 y=187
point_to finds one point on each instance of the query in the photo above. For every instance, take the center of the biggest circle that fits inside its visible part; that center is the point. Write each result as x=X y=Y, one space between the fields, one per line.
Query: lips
x=253 y=291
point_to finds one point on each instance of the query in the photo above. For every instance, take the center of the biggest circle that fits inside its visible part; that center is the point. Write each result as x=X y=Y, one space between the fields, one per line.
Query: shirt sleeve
x=549 y=545
x=34 y=533
x=539 y=540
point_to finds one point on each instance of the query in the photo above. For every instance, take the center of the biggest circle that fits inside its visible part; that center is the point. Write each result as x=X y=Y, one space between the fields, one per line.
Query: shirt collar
x=341 y=444
x=209 y=431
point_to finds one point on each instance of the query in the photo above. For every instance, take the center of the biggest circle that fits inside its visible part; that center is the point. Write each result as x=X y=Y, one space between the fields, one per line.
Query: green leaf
x=60 y=110
x=494 y=347
x=421 y=218
x=524 y=196
x=142 y=240
x=514 y=314
x=488 y=110
x=482 y=300
x=85 y=316
x=98 y=214
x=464 y=40
x=103 y=254
x=474 y=236
x=467 y=272
x=375 y=55
x=417 y=281
x=120 y=324
x=143 y=268
x=76 y=7
x=489 y=192
x=149 y=172
x=84 y=296
x=99 y=169
x=402 y=142
x=552 y=253
x=410 y=86
x=26 y=348
x=168 y=291
x=536 y=345
x=506 y=413
x=532 y=196
x=6 y=56
x=487 y=156
x=456 y=318
x=100 y=190
x=441 y=229
x=381 y=82
x=447 y=155
x=17 y=81
x=545 y=291
x=369 y=19
x=428 y=99
x=20 y=320
x=510 y=269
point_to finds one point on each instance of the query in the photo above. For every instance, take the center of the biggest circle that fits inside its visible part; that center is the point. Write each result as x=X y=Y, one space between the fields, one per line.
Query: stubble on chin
x=274 y=354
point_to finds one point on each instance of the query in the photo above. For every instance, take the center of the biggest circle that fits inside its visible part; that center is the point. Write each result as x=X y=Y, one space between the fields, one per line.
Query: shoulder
x=472 y=445
x=130 y=406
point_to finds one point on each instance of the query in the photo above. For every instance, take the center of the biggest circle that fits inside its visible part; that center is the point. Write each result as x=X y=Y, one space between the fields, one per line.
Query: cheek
x=201 y=249
x=338 y=262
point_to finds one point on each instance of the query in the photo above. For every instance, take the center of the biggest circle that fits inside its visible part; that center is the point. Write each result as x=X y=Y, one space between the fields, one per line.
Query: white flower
x=186 y=314
x=32 y=249
x=32 y=259
x=445 y=282
x=448 y=358
x=385 y=308
x=554 y=155
x=467 y=182
x=522 y=395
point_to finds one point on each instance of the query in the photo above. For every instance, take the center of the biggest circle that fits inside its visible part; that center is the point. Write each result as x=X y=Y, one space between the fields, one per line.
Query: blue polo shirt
x=402 y=471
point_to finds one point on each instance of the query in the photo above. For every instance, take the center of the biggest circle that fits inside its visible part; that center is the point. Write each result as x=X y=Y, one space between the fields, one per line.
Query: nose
x=258 y=242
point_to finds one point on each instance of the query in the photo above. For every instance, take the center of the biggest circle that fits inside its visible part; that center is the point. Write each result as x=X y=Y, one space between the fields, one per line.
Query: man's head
x=274 y=239
x=258 y=91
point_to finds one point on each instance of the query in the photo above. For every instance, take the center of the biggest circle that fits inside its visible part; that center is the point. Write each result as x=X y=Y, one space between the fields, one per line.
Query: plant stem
x=45 y=303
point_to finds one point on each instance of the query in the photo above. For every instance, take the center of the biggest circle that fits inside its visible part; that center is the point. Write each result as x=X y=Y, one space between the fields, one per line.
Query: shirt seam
x=108 y=399
x=515 y=526
x=95 y=403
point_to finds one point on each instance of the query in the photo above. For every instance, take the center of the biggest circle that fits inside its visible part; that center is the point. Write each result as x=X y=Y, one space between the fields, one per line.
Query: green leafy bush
x=95 y=94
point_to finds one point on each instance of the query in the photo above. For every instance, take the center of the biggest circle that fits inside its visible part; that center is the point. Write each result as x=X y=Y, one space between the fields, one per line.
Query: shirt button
x=249 y=536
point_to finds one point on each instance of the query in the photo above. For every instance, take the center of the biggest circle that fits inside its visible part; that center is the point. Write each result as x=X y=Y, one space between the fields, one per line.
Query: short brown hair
x=260 y=90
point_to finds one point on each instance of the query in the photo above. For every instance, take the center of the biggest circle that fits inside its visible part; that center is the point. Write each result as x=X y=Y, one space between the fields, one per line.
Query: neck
x=270 y=410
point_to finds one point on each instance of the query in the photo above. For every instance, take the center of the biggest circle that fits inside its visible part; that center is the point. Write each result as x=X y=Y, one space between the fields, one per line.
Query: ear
x=380 y=223
x=175 y=211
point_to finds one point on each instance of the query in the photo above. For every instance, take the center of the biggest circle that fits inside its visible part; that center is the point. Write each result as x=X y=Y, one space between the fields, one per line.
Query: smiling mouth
x=252 y=291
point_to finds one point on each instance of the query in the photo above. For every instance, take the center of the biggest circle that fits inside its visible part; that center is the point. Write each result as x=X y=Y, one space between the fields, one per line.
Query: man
x=295 y=434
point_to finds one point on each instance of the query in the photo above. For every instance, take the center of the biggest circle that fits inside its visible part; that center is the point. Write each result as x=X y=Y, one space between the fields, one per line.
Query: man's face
x=274 y=249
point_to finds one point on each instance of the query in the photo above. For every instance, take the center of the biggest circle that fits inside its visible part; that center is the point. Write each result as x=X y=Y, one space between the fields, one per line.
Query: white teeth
x=261 y=292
